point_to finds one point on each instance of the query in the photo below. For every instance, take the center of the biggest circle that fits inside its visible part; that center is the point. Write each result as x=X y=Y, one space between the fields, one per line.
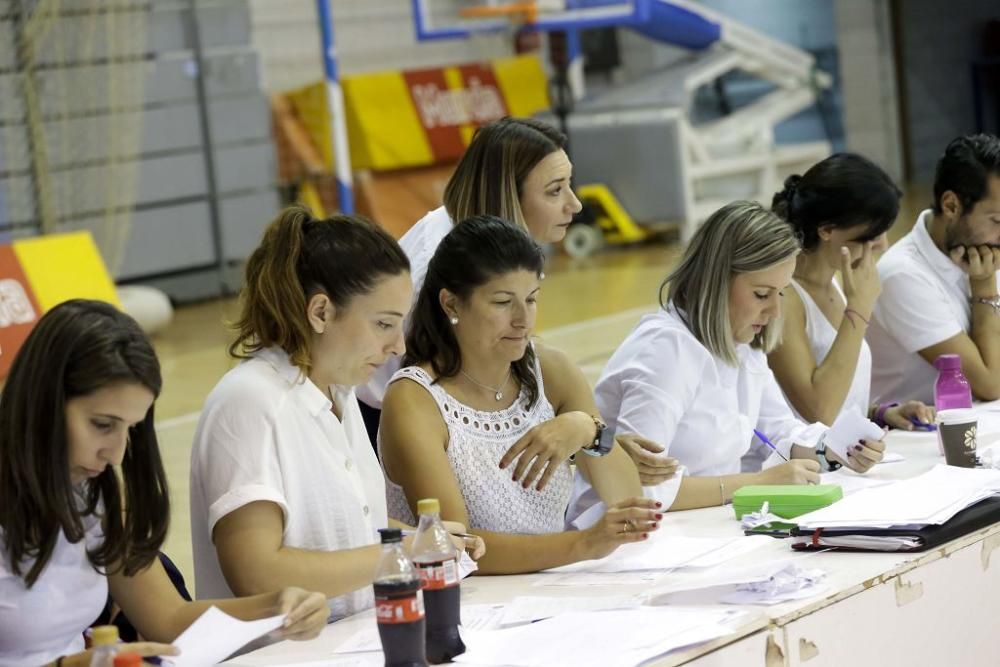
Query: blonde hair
x=741 y=237
x=490 y=176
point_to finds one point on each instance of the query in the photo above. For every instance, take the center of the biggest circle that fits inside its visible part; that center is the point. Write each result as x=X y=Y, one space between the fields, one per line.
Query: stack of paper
x=759 y=583
x=930 y=499
x=621 y=638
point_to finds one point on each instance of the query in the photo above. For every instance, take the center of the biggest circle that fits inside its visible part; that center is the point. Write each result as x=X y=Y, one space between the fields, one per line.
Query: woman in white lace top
x=486 y=421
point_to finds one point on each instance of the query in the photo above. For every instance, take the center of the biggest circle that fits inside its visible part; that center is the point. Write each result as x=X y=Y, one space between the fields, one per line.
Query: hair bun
x=791 y=185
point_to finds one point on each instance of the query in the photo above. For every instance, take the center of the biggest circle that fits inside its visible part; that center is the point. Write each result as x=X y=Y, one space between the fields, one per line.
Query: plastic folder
x=982 y=514
x=785 y=500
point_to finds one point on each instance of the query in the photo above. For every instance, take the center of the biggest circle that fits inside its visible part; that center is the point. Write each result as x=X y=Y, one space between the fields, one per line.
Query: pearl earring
x=454 y=320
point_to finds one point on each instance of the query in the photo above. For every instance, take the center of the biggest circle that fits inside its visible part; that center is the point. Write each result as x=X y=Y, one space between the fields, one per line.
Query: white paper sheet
x=215 y=636
x=850 y=427
x=667 y=552
x=528 y=608
x=851 y=482
x=892 y=457
x=625 y=638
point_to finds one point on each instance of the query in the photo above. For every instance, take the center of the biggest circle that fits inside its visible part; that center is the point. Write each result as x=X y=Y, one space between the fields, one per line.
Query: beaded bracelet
x=880 y=414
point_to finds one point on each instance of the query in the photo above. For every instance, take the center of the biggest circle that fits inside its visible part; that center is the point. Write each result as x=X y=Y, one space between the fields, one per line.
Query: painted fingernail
x=645 y=536
x=658 y=515
x=655 y=526
x=659 y=504
x=858 y=447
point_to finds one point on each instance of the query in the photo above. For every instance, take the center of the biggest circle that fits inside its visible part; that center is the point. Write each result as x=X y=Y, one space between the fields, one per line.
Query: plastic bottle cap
x=948 y=362
x=390 y=535
x=128 y=660
x=428 y=506
x=104 y=635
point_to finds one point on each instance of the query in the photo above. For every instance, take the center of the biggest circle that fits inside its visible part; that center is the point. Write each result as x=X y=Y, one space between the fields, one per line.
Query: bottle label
x=435 y=576
x=400 y=610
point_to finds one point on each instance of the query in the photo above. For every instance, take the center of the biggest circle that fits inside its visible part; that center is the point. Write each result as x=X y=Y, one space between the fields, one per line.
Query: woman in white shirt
x=488 y=420
x=693 y=376
x=285 y=486
x=841 y=209
x=514 y=168
x=77 y=405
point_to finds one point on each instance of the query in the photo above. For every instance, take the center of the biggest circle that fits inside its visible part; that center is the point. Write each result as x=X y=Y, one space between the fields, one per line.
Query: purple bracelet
x=880 y=414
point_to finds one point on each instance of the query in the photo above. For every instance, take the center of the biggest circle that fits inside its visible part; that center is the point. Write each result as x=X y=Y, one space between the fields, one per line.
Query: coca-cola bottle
x=399 y=605
x=436 y=559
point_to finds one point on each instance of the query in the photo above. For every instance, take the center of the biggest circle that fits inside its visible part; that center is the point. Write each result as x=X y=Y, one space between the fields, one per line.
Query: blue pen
x=763 y=438
x=923 y=425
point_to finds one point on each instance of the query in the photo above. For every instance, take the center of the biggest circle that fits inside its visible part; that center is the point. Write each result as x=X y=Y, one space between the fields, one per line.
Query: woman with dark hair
x=841 y=209
x=77 y=404
x=478 y=399
x=285 y=486
x=515 y=169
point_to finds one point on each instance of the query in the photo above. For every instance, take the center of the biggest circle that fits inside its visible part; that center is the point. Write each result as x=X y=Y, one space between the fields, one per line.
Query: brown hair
x=75 y=349
x=490 y=176
x=301 y=256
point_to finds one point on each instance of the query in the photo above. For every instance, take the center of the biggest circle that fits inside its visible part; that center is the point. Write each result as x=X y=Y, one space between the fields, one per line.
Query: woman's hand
x=305 y=612
x=902 y=416
x=653 y=468
x=796 y=471
x=541 y=451
x=630 y=520
x=142 y=649
x=861 y=283
x=862 y=456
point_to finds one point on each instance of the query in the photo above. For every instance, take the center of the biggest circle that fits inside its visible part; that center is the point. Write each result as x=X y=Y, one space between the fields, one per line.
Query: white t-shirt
x=821 y=334
x=924 y=301
x=664 y=385
x=39 y=624
x=268 y=433
x=419 y=244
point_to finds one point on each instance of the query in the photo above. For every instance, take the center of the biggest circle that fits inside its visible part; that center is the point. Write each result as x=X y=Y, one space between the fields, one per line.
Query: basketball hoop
x=518 y=13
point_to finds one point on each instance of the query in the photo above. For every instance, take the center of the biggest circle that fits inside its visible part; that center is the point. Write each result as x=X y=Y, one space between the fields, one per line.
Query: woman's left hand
x=305 y=612
x=541 y=451
x=862 y=456
x=902 y=416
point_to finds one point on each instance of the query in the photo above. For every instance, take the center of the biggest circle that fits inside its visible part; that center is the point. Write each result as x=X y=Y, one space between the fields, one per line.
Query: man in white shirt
x=940 y=282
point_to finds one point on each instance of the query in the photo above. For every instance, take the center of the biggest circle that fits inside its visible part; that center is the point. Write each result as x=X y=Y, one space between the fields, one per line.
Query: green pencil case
x=785 y=500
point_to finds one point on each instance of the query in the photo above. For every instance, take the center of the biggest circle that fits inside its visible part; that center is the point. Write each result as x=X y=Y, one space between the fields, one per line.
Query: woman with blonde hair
x=693 y=376
x=285 y=486
x=515 y=169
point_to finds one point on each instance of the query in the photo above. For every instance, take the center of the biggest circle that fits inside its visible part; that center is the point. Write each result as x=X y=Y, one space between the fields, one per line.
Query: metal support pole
x=335 y=102
x=207 y=152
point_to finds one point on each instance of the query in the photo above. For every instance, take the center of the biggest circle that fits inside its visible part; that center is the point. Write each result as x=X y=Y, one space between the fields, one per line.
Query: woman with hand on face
x=515 y=169
x=285 y=486
x=693 y=377
x=83 y=497
x=841 y=209
x=486 y=420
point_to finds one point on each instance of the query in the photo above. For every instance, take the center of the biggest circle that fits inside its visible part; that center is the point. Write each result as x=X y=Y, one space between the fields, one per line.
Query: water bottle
x=951 y=389
x=436 y=558
x=104 y=642
x=399 y=605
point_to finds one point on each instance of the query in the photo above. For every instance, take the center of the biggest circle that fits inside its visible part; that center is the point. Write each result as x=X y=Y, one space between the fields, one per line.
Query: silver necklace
x=497 y=391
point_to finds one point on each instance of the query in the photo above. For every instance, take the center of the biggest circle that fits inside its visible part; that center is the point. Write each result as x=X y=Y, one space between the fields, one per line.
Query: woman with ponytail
x=841 y=209
x=284 y=483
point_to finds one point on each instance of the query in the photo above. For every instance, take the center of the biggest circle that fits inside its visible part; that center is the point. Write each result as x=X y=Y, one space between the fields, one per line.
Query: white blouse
x=663 y=384
x=419 y=244
x=821 y=334
x=477 y=440
x=268 y=433
x=39 y=624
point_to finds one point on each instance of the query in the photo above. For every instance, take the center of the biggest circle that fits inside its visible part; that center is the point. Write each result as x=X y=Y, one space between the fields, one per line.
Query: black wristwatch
x=822 y=457
x=604 y=439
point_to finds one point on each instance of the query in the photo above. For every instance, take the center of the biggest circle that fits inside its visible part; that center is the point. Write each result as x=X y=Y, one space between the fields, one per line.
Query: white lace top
x=476 y=442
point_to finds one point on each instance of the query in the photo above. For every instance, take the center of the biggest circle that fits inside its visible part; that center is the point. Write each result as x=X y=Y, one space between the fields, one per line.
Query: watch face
x=606 y=441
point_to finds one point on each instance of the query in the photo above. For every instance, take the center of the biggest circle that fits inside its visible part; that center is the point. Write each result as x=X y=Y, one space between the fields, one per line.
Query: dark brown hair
x=472 y=253
x=490 y=176
x=844 y=190
x=75 y=349
x=964 y=169
x=301 y=256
